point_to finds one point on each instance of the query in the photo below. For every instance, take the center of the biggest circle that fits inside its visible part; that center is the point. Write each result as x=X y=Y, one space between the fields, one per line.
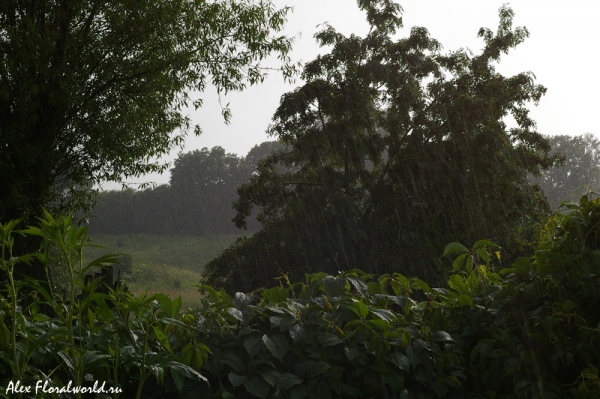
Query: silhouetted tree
x=394 y=150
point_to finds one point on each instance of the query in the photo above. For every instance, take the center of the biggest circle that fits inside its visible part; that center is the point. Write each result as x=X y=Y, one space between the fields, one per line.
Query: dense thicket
x=93 y=91
x=527 y=331
x=394 y=149
x=197 y=200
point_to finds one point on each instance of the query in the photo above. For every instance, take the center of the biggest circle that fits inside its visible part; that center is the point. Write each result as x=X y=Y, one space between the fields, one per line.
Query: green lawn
x=166 y=264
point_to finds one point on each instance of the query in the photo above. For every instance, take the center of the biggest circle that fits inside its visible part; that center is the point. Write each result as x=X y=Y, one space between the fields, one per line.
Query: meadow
x=169 y=264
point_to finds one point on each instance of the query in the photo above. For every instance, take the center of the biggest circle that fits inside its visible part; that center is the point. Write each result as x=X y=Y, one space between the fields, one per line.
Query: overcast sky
x=562 y=52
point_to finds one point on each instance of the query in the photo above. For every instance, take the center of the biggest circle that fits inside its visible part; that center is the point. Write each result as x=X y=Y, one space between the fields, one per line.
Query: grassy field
x=166 y=264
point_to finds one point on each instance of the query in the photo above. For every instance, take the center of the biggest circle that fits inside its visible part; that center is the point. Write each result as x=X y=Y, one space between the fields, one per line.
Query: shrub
x=528 y=331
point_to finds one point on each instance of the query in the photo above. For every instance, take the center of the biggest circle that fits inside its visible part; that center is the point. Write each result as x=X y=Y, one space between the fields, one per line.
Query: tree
x=578 y=172
x=262 y=151
x=198 y=200
x=203 y=186
x=92 y=91
x=394 y=150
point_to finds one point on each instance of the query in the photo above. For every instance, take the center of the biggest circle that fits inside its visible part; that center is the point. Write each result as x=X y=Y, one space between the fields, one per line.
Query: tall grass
x=169 y=264
x=165 y=279
x=184 y=252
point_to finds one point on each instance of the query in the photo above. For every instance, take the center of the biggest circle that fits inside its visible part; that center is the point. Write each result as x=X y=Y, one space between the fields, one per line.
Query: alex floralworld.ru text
x=41 y=386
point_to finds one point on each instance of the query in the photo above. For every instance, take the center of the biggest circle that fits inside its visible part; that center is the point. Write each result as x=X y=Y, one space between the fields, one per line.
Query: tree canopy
x=578 y=172
x=394 y=149
x=95 y=91
x=203 y=185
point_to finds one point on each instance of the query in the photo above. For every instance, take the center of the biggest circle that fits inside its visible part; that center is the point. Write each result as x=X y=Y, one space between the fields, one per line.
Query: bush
x=528 y=331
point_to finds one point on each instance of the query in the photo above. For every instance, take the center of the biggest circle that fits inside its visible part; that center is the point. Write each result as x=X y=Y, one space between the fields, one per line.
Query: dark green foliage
x=107 y=334
x=528 y=331
x=530 y=334
x=393 y=149
x=93 y=91
x=578 y=172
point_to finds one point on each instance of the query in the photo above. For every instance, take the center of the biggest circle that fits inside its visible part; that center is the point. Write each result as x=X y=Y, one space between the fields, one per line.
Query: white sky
x=562 y=52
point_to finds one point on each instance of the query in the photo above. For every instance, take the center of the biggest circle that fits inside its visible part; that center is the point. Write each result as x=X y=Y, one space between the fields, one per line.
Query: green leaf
x=459 y=261
x=236 y=379
x=162 y=338
x=253 y=345
x=359 y=308
x=473 y=281
x=184 y=370
x=297 y=333
x=523 y=265
x=311 y=368
x=276 y=344
x=483 y=254
x=200 y=357
x=334 y=286
x=457 y=283
x=422 y=285
x=173 y=322
x=484 y=244
x=317 y=368
x=381 y=325
x=178 y=379
x=465 y=300
x=454 y=248
x=327 y=339
x=385 y=314
x=90 y=357
x=442 y=336
x=271 y=376
x=394 y=380
x=91 y=318
x=103 y=310
x=234 y=362
x=406 y=338
x=287 y=380
x=400 y=360
x=351 y=353
x=236 y=313
x=103 y=261
x=186 y=354
x=375 y=288
x=257 y=386
x=360 y=286
x=286 y=323
x=275 y=294
x=67 y=359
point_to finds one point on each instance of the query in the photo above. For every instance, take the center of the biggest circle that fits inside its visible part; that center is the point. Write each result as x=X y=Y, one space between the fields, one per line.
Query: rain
x=372 y=200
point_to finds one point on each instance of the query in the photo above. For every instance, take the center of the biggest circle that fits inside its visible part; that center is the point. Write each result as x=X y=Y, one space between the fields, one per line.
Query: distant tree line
x=197 y=200
x=204 y=184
